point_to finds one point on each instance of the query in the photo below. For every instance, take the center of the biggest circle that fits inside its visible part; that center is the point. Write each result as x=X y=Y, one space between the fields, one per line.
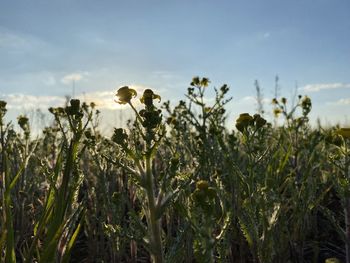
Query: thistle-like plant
x=154 y=192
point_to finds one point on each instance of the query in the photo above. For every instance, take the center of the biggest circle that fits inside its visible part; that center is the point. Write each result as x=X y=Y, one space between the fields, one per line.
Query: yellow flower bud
x=277 y=112
x=244 y=117
x=332 y=260
x=243 y=121
x=125 y=94
x=202 y=185
x=148 y=97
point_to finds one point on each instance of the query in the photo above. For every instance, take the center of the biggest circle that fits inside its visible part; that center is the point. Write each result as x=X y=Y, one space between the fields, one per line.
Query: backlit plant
x=178 y=183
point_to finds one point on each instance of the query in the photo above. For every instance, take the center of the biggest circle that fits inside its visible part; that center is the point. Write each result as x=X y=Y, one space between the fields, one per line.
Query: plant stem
x=156 y=242
x=347 y=229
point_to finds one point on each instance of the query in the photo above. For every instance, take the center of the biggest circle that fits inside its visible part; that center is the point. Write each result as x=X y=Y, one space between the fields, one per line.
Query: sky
x=47 y=45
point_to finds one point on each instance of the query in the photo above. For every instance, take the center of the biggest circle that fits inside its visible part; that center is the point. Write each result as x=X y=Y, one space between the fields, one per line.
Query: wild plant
x=340 y=159
x=186 y=187
x=154 y=190
x=61 y=218
x=10 y=176
x=201 y=128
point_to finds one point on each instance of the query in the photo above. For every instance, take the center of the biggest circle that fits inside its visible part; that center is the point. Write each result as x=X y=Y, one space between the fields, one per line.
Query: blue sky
x=102 y=45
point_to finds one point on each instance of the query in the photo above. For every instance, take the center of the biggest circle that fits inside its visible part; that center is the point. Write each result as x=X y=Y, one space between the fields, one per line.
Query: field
x=178 y=185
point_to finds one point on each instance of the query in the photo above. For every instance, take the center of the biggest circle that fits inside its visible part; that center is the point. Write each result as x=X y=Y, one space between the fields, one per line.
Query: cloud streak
x=20 y=43
x=104 y=100
x=68 y=79
x=324 y=86
x=341 y=102
x=19 y=101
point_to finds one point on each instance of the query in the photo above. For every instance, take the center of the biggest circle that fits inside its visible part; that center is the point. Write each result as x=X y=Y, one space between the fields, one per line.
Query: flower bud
x=202 y=185
x=119 y=136
x=259 y=121
x=306 y=105
x=148 y=97
x=243 y=121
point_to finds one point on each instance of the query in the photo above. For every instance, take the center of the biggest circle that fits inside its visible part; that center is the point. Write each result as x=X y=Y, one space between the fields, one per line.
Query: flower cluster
x=120 y=136
x=196 y=81
x=245 y=120
x=74 y=109
x=151 y=118
x=306 y=105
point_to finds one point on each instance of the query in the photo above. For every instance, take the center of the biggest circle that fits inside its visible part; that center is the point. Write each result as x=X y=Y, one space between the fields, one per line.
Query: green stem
x=347 y=228
x=156 y=242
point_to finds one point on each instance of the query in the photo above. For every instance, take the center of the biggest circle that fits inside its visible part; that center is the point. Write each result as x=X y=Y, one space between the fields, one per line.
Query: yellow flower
x=259 y=121
x=125 y=95
x=345 y=132
x=205 y=82
x=243 y=121
x=148 y=97
x=276 y=112
x=202 y=185
x=196 y=81
x=332 y=260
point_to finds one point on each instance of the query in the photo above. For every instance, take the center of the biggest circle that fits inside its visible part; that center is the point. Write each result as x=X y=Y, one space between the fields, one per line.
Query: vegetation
x=179 y=185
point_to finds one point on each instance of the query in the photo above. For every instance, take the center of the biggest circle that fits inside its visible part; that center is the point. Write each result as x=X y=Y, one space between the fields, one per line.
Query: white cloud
x=19 y=42
x=345 y=101
x=68 y=79
x=103 y=99
x=247 y=99
x=29 y=80
x=163 y=74
x=20 y=101
x=251 y=100
x=11 y=40
x=324 y=86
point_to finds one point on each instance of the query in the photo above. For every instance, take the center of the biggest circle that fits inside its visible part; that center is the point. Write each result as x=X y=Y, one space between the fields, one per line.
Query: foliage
x=178 y=185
